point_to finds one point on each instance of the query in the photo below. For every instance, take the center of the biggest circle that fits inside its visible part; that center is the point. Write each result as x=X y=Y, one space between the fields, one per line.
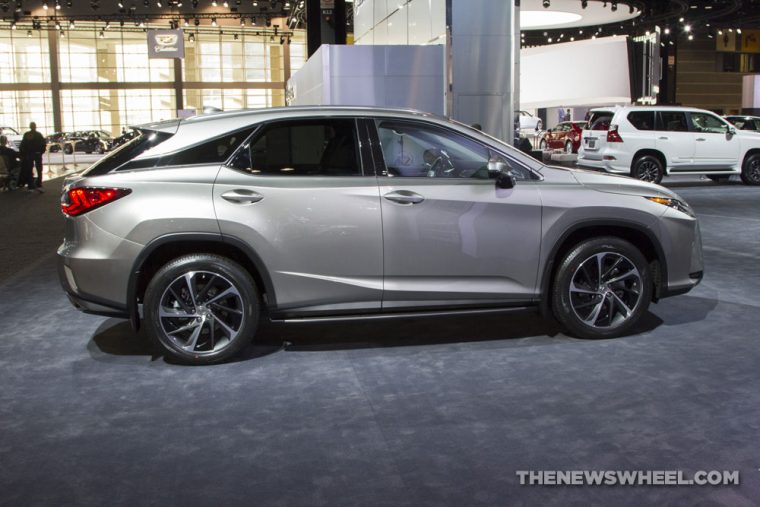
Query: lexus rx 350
x=198 y=228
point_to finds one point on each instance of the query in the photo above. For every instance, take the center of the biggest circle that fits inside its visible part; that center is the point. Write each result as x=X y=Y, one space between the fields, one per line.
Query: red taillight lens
x=613 y=136
x=80 y=200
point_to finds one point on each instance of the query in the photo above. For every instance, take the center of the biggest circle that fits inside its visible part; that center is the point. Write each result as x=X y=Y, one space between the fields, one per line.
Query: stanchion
x=63 y=158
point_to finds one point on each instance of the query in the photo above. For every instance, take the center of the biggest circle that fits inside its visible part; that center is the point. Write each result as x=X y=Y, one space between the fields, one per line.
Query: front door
x=450 y=237
x=715 y=148
x=297 y=195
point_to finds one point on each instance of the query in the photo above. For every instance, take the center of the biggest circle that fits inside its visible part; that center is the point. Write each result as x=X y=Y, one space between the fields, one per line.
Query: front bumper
x=682 y=241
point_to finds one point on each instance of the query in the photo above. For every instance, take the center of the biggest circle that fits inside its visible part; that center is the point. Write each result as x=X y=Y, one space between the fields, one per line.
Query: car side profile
x=198 y=228
x=565 y=136
x=649 y=143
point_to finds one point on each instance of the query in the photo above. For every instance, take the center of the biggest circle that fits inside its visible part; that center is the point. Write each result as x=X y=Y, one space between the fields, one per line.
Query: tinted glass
x=324 y=147
x=216 y=151
x=672 y=121
x=642 y=120
x=415 y=150
x=600 y=120
x=708 y=123
x=126 y=152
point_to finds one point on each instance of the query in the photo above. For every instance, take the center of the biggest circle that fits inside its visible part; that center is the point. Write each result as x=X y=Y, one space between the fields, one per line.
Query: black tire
x=568 y=147
x=751 y=170
x=68 y=149
x=648 y=168
x=212 y=332
x=719 y=178
x=539 y=125
x=573 y=291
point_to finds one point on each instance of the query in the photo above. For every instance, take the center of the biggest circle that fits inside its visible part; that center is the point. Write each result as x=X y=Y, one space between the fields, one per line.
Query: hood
x=615 y=184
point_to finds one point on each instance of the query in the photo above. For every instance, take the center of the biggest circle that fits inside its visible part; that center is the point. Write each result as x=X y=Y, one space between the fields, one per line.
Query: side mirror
x=506 y=180
x=499 y=171
x=732 y=131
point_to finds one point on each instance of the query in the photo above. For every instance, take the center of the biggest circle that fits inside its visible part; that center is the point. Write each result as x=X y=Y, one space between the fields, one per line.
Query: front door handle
x=701 y=139
x=405 y=197
x=663 y=138
x=242 y=196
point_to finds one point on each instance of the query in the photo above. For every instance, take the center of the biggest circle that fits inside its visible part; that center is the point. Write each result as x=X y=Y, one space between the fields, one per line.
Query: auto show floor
x=407 y=412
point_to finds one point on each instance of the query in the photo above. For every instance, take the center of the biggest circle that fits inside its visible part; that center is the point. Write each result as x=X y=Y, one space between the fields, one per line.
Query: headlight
x=673 y=203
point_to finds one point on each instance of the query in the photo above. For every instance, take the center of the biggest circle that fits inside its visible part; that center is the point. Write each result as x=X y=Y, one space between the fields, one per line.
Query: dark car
x=87 y=141
x=124 y=138
x=745 y=122
x=565 y=136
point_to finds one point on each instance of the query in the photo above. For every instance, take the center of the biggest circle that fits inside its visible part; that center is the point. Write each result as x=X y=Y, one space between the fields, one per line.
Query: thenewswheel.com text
x=627 y=478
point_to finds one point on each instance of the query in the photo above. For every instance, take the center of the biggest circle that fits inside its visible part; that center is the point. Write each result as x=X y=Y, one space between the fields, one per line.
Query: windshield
x=126 y=152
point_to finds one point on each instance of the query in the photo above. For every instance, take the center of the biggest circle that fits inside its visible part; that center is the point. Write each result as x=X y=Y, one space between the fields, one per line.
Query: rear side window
x=600 y=120
x=126 y=152
x=215 y=151
x=319 y=147
x=673 y=121
x=642 y=120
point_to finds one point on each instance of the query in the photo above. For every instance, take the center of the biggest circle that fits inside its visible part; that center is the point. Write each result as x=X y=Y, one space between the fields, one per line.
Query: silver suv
x=198 y=227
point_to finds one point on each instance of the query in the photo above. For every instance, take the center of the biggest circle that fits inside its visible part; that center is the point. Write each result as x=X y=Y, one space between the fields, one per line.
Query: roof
x=308 y=109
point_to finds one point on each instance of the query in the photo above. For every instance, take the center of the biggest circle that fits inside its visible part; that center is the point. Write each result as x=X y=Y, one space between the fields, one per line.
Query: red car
x=565 y=136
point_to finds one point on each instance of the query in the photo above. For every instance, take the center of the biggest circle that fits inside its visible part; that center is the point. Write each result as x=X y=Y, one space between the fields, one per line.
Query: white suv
x=650 y=142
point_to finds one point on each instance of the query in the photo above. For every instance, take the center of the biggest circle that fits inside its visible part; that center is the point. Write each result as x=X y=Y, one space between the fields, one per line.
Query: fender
x=250 y=253
x=546 y=277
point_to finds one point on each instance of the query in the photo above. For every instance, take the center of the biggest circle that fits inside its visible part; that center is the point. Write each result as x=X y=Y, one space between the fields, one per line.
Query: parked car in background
x=745 y=122
x=123 y=138
x=87 y=141
x=199 y=228
x=651 y=142
x=529 y=123
x=566 y=136
x=14 y=138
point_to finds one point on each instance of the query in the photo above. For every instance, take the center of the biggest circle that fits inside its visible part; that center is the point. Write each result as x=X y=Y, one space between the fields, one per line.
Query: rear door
x=296 y=193
x=674 y=139
x=451 y=238
x=594 y=136
x=714 y=147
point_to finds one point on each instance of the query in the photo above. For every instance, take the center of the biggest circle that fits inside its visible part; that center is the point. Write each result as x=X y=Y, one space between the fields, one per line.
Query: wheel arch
x=750 y=152
x=638 y=235
x=165 y=248
x=653 y=152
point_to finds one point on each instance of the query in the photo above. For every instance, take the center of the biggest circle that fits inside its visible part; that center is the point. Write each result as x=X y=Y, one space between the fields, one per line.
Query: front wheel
x=751 y=170
x=648 y=168
x=568 y=147
x=602 y=288
x=201 y=309
x=542 y=145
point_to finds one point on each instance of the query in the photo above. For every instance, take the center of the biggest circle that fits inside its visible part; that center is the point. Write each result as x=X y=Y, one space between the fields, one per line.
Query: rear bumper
x=87 y=303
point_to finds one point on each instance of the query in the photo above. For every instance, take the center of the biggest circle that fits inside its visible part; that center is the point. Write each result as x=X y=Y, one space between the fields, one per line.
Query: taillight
x=80 y=200
x=613 y=136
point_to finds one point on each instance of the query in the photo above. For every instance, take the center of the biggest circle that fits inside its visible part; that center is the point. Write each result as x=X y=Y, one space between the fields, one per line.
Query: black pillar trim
x=313 y=26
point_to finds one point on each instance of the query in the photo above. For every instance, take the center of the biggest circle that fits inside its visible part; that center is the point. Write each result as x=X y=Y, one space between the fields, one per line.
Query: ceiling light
x=13 y=25
x=191 y=38
x=720 y=32
x=666 y=31
x=213 y=21
x=45 y=5
x=226 y=4
x=739 y=31
x=57 y=6
x=158 y=4
x=680 y=20
x=691 y=37
x=71 y=24
x=121 y=5
x=29 y=33
x=687 y=28
x=547 y=4
x=213 y=3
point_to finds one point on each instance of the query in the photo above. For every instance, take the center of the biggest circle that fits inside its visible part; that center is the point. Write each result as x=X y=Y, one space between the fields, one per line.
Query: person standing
x=10 y=158
x=32 y=147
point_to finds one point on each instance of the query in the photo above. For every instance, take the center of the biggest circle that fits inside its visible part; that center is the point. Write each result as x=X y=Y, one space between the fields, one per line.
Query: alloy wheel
x=648 y=171
x=753 y=170
x=605 y=290
x=201 y=312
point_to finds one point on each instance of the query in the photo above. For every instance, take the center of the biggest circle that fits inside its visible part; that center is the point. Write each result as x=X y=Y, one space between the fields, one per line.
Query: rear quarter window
x=642 y=120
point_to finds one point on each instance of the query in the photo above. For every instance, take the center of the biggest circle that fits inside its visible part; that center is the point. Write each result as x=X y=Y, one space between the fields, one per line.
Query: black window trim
x=363 y=172
x=383 y=172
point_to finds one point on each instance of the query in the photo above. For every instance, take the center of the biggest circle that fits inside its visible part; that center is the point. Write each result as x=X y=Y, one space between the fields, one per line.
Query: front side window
x=415 y=150
x=319 y=147
x=672 y=121
x=708 y=123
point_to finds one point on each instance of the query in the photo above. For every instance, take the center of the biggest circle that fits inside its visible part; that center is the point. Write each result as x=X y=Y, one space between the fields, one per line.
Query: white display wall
x=399 y=21
x=583 y=73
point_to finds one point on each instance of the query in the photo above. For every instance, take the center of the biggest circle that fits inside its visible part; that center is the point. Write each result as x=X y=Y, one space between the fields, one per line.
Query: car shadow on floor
x=114 y=338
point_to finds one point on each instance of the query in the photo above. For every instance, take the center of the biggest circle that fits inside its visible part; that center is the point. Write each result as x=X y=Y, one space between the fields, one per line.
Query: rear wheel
x=201 y=308
x=68 y=149
x=568 y=147
x=648 y=168
x=602 y=288
x=751 y=170
x=542 y=145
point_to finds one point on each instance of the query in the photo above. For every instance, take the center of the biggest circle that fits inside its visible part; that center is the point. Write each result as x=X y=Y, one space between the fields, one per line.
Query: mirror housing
x=499 y=171
x=506 y=180
x=731 y=130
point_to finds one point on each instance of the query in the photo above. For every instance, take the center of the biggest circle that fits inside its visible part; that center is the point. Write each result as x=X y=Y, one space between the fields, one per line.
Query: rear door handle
x=663 y=138
x=701 y=139
x=242 y=196
x=405 y=197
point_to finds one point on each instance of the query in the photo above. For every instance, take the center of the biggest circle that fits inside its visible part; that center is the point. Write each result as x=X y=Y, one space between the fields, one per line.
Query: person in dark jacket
x=10 y=158
x=32 y=147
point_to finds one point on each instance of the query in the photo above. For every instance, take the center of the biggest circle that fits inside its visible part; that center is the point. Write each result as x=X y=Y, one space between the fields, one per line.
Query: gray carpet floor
x=412 y=412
